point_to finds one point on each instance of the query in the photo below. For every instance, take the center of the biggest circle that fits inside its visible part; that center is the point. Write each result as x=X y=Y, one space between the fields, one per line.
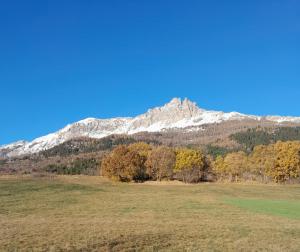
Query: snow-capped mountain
x=175 y=114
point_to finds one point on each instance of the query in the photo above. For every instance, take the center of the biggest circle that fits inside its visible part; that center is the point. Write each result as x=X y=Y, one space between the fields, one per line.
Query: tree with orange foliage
x=160 y=163
x=123 y=164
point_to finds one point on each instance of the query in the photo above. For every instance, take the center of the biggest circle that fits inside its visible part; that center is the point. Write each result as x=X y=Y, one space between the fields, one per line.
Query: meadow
x=81 y=213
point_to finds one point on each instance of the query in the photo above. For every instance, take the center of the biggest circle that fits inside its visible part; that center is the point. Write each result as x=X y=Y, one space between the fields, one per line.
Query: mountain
x=177 y=114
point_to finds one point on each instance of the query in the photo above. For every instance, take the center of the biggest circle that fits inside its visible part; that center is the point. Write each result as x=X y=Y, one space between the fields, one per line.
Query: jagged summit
x=177 y=113
x=181 y=103
x=175 y=100
x=188 y=107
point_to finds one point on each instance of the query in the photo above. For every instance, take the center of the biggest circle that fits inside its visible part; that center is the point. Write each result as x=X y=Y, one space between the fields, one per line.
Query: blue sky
x=62 y=61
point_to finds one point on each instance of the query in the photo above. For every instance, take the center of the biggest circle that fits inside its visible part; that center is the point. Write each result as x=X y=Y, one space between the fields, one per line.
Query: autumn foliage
x=124 y=164
x=141 y=161
x=190 y=165
x=160 y=163
x=278 y=162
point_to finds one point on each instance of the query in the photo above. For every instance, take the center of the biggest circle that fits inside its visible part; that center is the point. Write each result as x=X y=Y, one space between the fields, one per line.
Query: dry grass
x=78 y=213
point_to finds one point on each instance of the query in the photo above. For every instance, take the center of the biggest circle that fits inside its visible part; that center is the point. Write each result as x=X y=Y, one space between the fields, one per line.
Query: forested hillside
x=263 y=136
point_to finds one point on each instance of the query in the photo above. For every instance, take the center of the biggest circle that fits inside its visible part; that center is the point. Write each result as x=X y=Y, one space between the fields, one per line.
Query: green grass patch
x=289 y=209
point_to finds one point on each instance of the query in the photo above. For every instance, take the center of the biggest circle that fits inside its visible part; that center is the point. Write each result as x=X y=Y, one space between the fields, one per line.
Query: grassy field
x=93 y=214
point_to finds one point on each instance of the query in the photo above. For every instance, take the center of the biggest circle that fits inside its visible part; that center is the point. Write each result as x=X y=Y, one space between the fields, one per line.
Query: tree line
x=142 y=161
x=278 y=162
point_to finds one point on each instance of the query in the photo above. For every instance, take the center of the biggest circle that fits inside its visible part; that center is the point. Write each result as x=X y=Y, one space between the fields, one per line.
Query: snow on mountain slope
x=90 y=127
x=281 y=119
x=175 y=114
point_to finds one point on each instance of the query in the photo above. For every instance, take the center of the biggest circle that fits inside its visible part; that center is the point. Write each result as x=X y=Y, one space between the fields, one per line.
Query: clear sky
x=62 y=61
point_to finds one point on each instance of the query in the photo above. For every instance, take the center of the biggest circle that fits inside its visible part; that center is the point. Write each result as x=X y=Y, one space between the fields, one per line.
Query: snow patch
x=177 y=114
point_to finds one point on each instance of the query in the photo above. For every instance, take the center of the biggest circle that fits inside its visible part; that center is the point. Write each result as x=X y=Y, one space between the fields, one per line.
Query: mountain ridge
x=176 y=114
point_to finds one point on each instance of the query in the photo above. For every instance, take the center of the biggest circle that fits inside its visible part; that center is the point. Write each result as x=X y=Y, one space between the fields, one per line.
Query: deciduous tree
x=190 y=165
x=232 y=166
x=287 y=161
x=160 y=163
x=124 y=164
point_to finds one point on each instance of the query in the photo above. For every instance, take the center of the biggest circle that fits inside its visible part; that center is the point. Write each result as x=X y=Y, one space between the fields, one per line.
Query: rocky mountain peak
x=176 y=101
x=174 y=110
x=186 y=107
x=181 y=103
x=177 y=114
